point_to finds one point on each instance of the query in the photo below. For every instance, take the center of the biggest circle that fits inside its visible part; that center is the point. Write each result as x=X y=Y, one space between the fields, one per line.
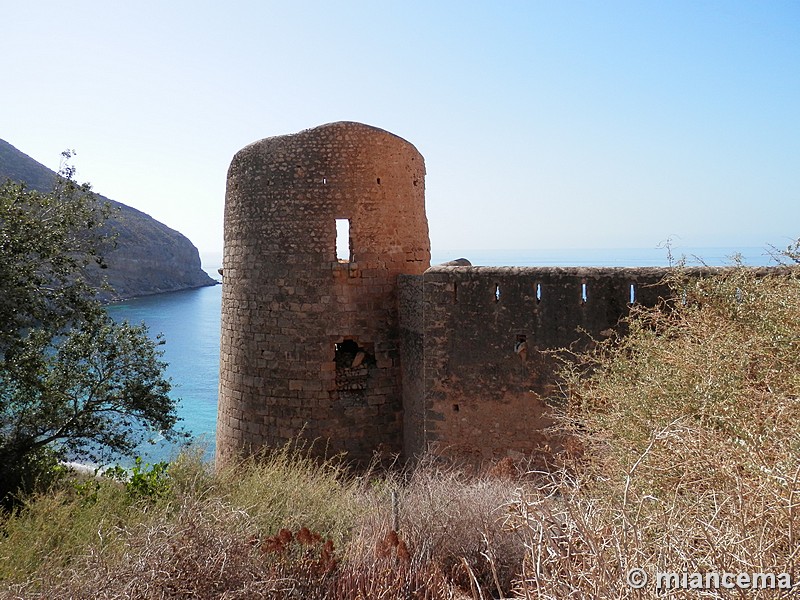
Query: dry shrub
x=688 y=430
x=205 y=552
x=390 y=572
x=449 y=528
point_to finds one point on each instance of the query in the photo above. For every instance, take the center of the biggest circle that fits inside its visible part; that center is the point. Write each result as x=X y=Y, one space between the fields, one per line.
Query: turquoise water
x=190 y=322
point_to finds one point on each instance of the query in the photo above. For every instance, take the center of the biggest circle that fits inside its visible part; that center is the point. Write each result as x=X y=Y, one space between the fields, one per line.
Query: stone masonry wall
x=376 y=352
x=310 y=344
x=485 y=333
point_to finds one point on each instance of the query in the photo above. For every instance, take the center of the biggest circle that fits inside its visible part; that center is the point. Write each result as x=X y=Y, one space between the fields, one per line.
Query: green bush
x=143 y=480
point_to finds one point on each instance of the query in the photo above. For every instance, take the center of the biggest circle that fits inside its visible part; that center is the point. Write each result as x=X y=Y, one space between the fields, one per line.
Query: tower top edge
x=323 y=130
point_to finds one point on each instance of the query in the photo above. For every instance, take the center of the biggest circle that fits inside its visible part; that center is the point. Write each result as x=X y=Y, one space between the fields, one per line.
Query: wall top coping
x=574 y=271
x=343 y=127
x=594 y=272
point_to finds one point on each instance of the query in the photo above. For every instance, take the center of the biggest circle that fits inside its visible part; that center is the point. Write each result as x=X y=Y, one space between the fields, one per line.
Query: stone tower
x=310 y=340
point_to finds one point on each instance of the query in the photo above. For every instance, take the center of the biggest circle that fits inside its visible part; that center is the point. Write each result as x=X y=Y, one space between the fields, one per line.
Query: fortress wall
x=373 y=352
x=310 y=344
x=485 y=332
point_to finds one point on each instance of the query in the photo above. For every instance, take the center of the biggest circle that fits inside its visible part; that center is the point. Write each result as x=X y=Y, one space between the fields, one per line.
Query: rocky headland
x=147 y=258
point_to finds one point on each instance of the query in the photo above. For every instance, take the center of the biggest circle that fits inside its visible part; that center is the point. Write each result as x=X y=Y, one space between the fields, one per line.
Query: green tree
x=73 y=383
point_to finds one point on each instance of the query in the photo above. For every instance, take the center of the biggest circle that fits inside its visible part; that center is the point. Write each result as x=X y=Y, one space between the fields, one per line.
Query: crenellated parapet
x=486 y=335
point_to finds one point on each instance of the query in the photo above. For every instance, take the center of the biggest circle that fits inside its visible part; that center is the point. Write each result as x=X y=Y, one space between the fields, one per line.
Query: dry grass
x=284 y=526
x=449 y=525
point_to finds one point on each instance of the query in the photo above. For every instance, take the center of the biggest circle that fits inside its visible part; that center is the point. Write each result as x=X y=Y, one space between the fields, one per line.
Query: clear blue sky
x=543 y=124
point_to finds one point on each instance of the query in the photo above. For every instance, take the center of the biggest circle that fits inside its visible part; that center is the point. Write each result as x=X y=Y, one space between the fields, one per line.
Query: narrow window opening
x=538 y=293
x=633 y=293
x=379 y=180
x=584 y=296
x=343 y=245
x=324 y=181
x=497 y=292
x=455 y=292
x=455 y=407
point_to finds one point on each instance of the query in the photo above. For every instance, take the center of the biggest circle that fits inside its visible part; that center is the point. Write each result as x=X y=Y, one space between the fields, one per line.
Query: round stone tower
x=310 y=339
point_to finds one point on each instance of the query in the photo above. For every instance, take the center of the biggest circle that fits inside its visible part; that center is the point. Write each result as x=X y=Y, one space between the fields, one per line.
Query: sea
x=189 y=321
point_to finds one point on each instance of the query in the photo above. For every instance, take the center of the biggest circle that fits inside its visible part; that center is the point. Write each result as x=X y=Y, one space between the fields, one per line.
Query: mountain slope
x=149 y=257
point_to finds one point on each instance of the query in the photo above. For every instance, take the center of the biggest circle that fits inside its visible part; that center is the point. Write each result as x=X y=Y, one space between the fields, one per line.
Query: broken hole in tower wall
x=353 y=366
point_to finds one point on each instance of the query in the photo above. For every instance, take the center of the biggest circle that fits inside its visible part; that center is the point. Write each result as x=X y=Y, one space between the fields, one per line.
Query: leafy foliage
x=144 y=480
x=45 y=240
x=73 y=383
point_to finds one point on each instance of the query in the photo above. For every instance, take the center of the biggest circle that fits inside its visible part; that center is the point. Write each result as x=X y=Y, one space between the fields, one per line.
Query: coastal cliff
x=148 y=257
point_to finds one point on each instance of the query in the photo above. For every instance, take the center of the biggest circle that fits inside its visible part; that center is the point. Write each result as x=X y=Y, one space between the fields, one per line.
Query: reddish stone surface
x=486 y=336
x=310 y=344
x=379 y=353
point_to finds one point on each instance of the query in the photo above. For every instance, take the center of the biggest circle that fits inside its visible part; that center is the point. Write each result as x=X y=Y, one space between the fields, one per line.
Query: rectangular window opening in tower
x=343 y=243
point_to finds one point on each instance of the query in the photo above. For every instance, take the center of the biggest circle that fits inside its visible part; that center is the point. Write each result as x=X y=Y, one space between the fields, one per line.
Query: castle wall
x=372 y=352
x=310 y=344
x=486 y=333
